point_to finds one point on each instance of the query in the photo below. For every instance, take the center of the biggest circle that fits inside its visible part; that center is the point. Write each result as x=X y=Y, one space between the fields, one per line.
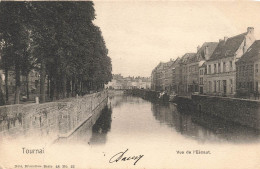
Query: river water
x=165 y=135
x=159 y=131
x=128 y=118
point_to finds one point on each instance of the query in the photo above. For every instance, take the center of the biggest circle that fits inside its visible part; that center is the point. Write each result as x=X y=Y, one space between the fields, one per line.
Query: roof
x=203 y=65
x=186 y=58
x=228 y=48
x=169 y=64
x=252 y=54
x=201 y=55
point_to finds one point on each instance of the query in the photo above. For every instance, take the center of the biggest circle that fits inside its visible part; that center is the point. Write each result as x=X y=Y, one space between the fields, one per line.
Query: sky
x=140 y=35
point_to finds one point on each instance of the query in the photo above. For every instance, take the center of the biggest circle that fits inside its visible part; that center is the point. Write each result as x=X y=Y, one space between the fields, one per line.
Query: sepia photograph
x=127 y=84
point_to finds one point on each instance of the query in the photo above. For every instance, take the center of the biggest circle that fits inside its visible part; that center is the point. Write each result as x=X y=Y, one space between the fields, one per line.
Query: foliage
x=58 y=39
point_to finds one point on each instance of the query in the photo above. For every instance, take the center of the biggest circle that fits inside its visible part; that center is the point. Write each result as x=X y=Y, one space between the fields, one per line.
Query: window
x=215 y=68
x=215 y=86
x=230 y=63
x=256 y=68
x=231 y=86
x=209 y=86
x=219 y=68
x=201 y=80
x=251 y=86
x=240 y=85
x=219 y=85
x=209 y=69
x=224 y=66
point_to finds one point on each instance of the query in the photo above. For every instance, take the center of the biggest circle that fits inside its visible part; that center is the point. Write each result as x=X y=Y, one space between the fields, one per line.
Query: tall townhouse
x=153 y=78
x=248 y=75
x=221 y=69
x=168 y=75
x=160 y=76
x=156 y=77
x=183 y=72
x=203 y=54
x=178 y=76
x=202 y=78
x=175 y=75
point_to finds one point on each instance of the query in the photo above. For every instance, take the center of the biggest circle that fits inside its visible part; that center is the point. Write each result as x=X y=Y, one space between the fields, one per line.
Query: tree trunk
x=68 y=88
x=76 y=86
x=80 y=88
x=2 y=100
x=57 y=87
x=17 y=84
x=27 y=85
x=73 y=87
x=52 y=89
x=48 y=87
x=64 y=85
x=42 y=81
x=6 y=85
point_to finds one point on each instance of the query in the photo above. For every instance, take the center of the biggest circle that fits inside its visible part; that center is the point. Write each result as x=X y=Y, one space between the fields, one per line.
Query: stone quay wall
x=51 y=120
x=242 y=111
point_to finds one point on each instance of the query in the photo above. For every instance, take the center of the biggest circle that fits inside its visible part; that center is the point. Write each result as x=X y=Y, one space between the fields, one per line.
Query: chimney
x=225 y=38
x=250 y=30
x=206 y=52
x=198 y=48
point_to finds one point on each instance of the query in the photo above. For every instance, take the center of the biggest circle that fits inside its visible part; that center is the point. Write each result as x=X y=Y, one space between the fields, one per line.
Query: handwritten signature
x=120 y=157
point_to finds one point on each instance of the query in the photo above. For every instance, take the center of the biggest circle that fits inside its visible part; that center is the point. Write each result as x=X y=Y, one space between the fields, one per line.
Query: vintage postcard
x=129 y=84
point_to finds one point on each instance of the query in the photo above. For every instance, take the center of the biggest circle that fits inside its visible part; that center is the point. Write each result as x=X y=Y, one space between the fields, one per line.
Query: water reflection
x=203 y=127
x=136 y=118
x=101 y=127
x=118 y=101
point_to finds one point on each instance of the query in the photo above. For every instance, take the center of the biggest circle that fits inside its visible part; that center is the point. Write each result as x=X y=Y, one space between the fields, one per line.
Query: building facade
x=183 y=72
x=221 y=69
x=247 y=75
x=202 y=78
x=119 y=82
x=203 y=54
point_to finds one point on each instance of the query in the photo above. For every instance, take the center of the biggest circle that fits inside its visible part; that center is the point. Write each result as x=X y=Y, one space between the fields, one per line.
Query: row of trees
x=59 y=40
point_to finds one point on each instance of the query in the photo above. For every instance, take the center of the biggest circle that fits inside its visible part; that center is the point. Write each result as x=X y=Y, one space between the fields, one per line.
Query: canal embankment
x=53 y=120
x=242 y=111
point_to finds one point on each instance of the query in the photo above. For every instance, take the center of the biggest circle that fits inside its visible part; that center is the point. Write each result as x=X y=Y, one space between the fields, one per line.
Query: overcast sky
x=139 y=35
